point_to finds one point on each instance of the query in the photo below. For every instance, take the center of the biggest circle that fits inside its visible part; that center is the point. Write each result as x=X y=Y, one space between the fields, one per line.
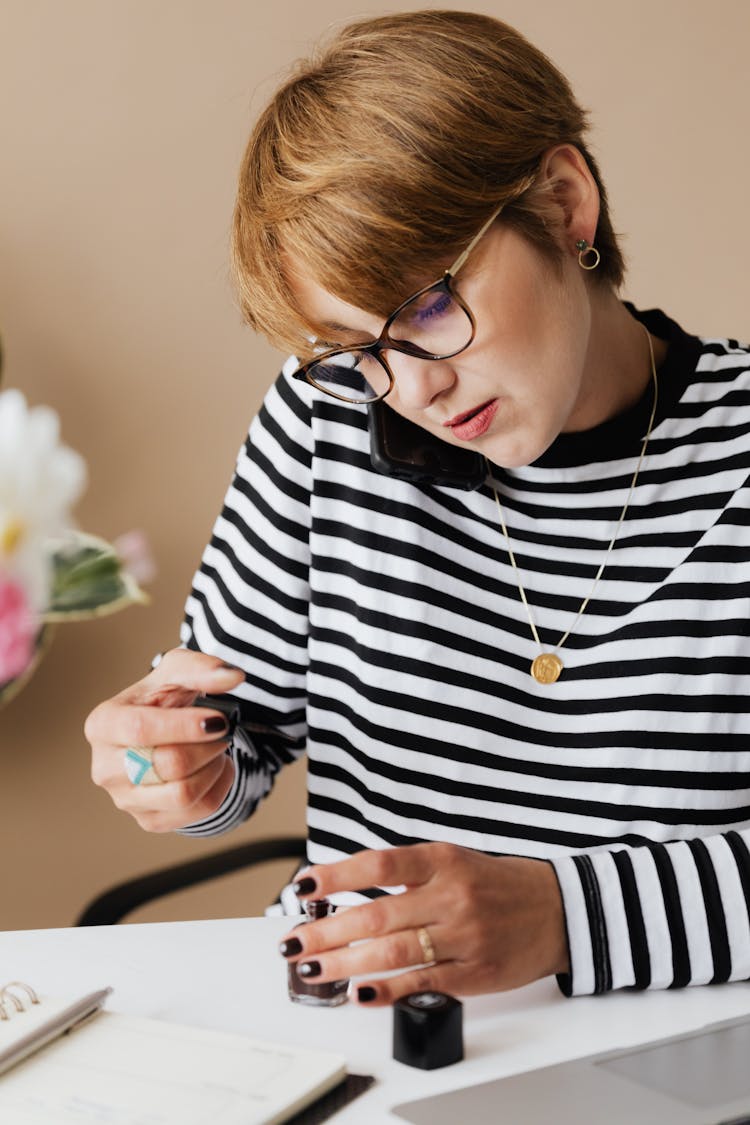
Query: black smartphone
x=399 y=448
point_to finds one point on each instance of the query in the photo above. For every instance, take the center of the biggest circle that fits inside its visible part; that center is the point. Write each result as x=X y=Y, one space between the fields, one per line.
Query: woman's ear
x=574 y=189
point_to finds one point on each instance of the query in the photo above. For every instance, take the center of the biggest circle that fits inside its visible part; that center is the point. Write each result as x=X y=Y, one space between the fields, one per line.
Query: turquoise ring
x=139 y=766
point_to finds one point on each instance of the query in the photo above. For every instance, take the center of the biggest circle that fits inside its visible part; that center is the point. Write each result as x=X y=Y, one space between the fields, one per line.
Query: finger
x=391 y=867
x=159 y=820
x=210 y=802
x=217 y=794
x=171 y=763
x=173 y=798
x=389 y=914
x=113 y=724
x=197 y=671
x=447 y=977
x=174 y=683
x=400 y=950
x=178 y=763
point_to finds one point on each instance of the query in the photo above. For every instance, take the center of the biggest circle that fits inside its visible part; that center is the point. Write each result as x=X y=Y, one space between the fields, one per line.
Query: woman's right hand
x=188 y=742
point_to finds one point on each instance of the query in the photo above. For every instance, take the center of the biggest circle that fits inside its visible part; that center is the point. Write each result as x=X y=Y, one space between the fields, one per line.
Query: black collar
x=621 y=436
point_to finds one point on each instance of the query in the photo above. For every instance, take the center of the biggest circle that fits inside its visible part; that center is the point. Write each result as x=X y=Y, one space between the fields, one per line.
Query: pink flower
x=134 y=551
x=18 y=629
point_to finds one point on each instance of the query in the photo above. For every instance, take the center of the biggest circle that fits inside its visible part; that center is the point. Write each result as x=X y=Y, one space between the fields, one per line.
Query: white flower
x=40 y=481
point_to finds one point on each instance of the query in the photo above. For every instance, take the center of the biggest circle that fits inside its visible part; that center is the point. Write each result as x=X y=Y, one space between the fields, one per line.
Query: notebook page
x=33 y=1017
x=124 y=1070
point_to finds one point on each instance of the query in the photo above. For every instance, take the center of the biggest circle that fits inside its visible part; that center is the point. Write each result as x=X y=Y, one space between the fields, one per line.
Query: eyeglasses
x=435 y=323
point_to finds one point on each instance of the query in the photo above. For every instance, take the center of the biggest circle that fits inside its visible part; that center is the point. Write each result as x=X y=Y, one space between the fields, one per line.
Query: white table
x=228 y=975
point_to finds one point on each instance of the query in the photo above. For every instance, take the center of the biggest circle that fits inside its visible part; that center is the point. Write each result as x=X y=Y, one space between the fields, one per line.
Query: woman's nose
x=419 y=382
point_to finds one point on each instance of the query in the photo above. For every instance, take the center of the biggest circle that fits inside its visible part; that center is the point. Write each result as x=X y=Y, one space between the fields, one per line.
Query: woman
x=523 y=704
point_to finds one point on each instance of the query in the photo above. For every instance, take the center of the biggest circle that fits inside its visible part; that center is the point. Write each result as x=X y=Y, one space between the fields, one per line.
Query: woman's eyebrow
x=341 y=329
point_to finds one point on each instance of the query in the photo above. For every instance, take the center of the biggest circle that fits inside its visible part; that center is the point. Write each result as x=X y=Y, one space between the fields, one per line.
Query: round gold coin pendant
x=546 y=668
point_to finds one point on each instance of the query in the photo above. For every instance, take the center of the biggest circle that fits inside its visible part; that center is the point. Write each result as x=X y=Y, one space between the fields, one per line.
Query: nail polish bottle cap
x=318 y=908
x=428 y=1030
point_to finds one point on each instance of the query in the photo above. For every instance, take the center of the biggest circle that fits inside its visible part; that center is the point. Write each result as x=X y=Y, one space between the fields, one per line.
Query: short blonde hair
x=382 y=155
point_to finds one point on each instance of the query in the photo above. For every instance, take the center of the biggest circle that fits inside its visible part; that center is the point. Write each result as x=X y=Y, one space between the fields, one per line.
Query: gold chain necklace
x=547 y=666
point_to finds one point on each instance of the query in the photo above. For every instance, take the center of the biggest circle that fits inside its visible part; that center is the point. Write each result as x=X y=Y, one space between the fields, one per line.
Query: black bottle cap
x=318 y=908
x=428 y=1030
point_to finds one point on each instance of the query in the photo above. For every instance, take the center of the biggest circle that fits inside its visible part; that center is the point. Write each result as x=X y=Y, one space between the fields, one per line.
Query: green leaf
x=88 y=580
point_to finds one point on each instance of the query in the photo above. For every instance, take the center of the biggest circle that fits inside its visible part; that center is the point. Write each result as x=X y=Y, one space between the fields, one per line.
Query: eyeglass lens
x=434 y=322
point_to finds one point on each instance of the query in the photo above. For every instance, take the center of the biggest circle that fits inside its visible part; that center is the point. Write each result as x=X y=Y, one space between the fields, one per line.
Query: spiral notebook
x=127 y=1070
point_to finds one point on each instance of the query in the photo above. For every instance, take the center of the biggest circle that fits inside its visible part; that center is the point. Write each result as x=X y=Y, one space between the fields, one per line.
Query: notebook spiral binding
x=11 y=1002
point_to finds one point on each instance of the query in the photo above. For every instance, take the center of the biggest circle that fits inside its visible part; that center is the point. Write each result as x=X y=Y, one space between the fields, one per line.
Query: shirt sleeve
x=657 y=915
x=250 y=596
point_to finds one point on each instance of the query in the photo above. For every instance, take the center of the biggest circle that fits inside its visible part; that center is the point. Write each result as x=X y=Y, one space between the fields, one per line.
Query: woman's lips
x=474 y=423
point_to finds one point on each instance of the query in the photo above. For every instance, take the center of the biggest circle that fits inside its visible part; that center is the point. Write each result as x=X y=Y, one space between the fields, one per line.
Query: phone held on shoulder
x=401 y=449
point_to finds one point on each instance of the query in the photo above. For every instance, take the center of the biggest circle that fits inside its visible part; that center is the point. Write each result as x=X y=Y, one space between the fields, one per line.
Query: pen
x=230 y=708
x=53 y=1028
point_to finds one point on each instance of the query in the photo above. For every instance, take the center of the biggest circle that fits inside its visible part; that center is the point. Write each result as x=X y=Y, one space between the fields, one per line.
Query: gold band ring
x=139 y=766
x=425 y=944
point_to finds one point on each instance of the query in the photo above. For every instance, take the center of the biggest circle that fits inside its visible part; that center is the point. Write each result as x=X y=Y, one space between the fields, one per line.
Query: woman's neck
x=618 y=363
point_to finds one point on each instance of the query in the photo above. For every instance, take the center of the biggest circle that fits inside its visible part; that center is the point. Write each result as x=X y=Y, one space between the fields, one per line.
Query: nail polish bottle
x=328 y=994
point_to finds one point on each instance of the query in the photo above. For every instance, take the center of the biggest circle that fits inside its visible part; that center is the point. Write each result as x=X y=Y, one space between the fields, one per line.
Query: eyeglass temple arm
x=463 y=256
x=480 y=234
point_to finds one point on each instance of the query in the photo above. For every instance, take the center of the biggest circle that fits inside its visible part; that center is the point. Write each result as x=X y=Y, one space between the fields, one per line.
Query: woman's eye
x=441 y=303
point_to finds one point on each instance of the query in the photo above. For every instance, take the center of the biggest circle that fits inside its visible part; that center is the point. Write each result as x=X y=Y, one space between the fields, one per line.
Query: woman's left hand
x=493 y=923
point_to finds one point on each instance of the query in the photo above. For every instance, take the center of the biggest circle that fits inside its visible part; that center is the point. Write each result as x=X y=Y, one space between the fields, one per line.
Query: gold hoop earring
x=583 y=249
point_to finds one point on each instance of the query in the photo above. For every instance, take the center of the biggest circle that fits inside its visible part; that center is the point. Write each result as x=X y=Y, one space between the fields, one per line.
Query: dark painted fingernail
x=291 y=947
x=215 y=724
x=304 y=886
x=365 y=994
x=309 y=969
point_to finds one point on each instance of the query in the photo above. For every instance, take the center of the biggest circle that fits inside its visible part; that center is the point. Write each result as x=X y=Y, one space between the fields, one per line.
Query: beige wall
x=121 y=125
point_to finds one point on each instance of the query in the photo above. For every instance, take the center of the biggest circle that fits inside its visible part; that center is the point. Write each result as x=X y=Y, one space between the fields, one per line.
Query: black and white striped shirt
x=379 y=621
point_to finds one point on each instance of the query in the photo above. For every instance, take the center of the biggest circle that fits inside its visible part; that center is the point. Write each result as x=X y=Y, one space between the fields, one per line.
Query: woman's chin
x=515 y=451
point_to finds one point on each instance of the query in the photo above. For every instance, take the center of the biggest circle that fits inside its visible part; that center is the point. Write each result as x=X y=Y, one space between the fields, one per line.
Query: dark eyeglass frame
x=384 y=341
